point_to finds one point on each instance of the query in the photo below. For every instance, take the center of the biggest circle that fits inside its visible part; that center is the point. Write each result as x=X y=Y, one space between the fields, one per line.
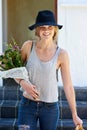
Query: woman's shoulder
x=63 y=56
x=27 y=44
x=63 y=51
x=25 y=49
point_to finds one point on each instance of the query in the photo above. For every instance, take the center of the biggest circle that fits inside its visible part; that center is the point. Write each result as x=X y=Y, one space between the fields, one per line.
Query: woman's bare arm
x=68 y=86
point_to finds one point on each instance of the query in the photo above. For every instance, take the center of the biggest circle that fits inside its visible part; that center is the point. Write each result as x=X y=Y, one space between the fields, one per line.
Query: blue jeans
x=31 y=111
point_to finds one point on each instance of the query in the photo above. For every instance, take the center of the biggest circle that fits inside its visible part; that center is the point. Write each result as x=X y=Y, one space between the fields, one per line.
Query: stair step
x=67 y=124
x=14 y=93
x=9 y=109
x=66 y=113
x=10 y=93
x=81 y=93
x=11 y=124
x=10 y=96
x=8 y=124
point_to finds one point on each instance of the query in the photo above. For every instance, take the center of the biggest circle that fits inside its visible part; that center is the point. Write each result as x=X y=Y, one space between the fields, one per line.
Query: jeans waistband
x=37 y=102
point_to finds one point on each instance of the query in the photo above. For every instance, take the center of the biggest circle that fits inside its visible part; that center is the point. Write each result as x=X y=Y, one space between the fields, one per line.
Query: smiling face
x=46 y=32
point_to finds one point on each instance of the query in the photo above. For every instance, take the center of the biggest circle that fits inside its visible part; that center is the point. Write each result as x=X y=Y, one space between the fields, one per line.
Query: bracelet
x=20 y=81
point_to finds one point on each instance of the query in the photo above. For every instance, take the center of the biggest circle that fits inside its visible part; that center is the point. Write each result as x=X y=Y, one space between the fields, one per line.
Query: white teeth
x=46 y=34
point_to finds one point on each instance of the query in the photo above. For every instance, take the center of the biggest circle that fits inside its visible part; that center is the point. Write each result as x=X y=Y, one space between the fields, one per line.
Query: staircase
x=66 y=122
x=10 y=96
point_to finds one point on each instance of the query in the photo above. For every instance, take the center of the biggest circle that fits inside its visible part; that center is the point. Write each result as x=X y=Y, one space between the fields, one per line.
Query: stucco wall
x=73 y=38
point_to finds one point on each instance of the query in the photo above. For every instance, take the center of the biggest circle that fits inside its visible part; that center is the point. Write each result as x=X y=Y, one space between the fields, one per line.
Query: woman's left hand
x=77 y=120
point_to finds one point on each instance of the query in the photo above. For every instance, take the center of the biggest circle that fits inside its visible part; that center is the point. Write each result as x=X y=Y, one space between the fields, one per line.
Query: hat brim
x=41 y=24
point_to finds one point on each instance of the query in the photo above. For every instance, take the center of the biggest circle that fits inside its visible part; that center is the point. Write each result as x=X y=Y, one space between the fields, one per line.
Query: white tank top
x=43 y=76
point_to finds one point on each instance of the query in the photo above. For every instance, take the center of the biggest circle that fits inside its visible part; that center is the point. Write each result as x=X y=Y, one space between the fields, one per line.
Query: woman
x=44 y=58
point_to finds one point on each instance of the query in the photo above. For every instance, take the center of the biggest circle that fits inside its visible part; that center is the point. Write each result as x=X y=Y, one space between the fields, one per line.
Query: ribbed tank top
x=43 y=76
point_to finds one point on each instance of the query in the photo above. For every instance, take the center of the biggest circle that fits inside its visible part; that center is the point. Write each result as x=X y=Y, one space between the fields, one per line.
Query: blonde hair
x=37 y=30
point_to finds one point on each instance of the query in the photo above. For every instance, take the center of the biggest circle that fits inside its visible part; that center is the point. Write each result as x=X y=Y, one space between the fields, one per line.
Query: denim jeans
x=31 y=111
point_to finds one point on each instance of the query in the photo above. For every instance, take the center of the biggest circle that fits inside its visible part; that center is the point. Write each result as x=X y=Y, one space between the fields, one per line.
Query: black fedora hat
x=45 y=17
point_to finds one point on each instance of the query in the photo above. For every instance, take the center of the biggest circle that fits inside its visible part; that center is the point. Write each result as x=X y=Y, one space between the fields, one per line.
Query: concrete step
x=10 y=93
x=67 y=124
x=80 y=92
x=8 y=124
x=14 y=93
x=10 y=96
x=11 y=124
x=66 y=113
x=9 y=109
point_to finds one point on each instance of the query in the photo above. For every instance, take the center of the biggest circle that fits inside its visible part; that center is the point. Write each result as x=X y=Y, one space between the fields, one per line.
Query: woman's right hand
x=30 y=89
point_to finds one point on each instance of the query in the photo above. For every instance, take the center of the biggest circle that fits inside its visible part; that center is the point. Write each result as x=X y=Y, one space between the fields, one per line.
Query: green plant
x=11 y=57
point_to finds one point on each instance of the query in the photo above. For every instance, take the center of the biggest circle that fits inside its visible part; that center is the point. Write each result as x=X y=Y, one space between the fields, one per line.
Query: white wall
x=0 y=33
x=73 y=37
